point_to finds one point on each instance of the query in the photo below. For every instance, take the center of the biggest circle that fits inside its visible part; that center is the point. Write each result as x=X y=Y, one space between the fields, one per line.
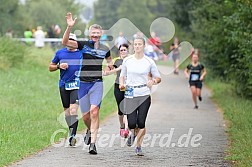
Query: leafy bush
x=11 y=53
x=226 y=39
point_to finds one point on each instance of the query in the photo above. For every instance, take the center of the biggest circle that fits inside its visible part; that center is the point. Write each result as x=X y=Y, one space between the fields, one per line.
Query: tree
x=161 y=8
x=207 y=28
x=8 y=11
x=138 y=13
x=222 y=29
x=46 y=12
x=105 y=12
x=180 y=13
x=239 y=35
x=19 y=17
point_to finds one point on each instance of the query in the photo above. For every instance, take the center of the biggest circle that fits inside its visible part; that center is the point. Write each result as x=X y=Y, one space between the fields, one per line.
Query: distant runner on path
x=195 y=72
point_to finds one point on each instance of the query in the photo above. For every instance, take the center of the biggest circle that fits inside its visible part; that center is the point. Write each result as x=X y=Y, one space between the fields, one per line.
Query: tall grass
x=11 y=53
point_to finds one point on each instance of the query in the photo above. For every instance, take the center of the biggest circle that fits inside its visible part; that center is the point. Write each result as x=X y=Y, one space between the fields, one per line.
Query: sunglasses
x=123 y=50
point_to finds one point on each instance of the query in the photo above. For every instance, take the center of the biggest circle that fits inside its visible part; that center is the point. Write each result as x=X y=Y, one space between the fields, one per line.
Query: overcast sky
x=88 y=3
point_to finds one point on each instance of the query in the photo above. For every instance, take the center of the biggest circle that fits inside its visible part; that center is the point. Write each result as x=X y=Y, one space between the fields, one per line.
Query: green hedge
x=11 y=53
x=223 y=30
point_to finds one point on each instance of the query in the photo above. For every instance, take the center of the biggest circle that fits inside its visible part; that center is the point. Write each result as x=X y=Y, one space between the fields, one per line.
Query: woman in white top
x=138 y=74
x=39 y=36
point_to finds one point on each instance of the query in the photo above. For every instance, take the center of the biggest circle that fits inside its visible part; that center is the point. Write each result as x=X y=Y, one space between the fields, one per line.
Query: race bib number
x=194 y=77
x=72 y=85
x=129 y=92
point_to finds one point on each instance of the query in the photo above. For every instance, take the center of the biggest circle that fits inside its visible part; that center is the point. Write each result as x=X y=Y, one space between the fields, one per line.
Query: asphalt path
x=177 y=135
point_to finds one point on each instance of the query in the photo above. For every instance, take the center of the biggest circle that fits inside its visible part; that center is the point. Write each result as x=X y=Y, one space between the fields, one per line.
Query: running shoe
x=92 y=149
x=131 y=140
x=126 y=133
x=138 y=151
x=72 y=141
x=196 y=107
x=200 y=98
x=87 y=137
x=176 y=72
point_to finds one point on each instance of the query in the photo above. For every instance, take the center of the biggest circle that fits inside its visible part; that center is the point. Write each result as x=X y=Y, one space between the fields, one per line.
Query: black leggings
x=138 y=108
x=119 y=96
x=68 y=97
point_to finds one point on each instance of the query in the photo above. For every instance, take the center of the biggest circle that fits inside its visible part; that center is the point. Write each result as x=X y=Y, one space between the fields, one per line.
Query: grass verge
x=238 y=112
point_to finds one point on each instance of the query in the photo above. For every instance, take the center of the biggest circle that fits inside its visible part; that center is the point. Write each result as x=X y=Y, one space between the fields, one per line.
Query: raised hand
x=70 y=20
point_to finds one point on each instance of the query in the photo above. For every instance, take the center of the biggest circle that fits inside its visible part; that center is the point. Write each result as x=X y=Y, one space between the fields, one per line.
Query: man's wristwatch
x=58 y=66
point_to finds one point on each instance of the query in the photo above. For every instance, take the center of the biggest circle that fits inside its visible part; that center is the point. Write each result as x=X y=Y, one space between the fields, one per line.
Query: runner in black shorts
x=119 y=94
x=68 y=61
x=195 y=72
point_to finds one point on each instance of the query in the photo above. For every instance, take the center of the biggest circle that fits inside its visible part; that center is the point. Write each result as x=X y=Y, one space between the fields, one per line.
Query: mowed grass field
x=30 y=106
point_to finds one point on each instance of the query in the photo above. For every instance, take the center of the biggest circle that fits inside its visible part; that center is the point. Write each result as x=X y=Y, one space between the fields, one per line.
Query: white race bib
x=72 y=85
x=129 y=92
x=194 y=77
